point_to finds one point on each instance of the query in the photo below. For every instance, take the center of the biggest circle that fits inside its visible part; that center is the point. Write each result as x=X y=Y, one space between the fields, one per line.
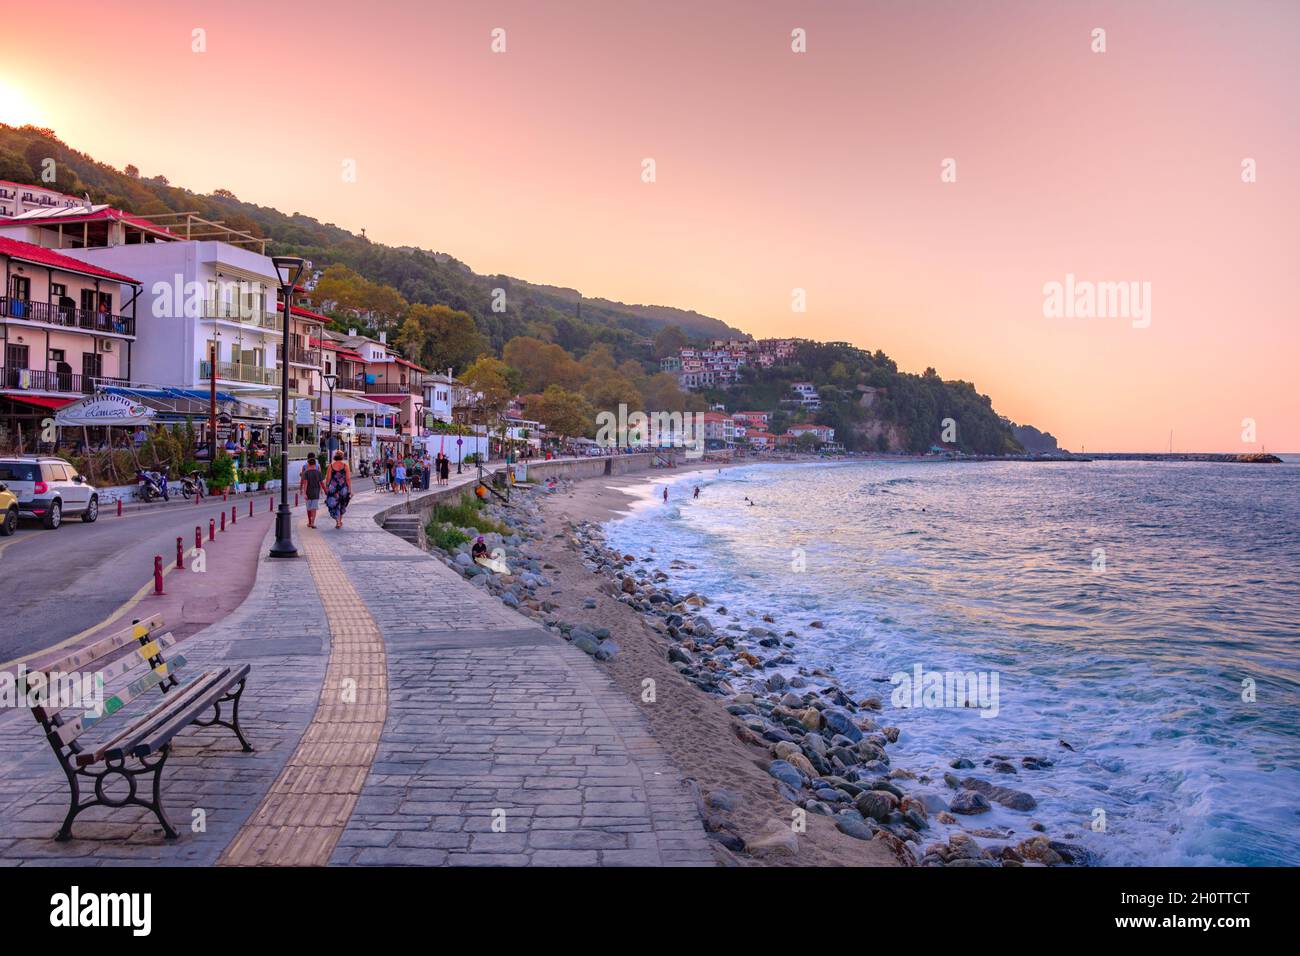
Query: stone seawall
x=570 y=468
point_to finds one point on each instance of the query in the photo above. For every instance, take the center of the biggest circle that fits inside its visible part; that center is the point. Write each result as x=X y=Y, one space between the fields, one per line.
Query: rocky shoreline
x=822 y=751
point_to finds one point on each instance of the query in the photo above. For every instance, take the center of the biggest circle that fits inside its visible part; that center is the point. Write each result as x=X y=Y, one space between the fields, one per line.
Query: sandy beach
x=725 y=761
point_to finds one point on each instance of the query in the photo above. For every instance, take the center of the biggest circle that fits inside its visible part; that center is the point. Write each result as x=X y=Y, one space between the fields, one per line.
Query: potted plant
x=221 y=474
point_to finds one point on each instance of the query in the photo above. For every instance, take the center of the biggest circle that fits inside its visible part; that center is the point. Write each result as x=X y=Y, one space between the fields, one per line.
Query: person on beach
x=310 y=486
x=665 y=495
x=479 y=552
x=697 y=491
x=338 y=489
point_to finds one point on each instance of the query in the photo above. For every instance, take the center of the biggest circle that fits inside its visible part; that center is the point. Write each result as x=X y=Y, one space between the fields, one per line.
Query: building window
x=92 y=364
x=15 y=356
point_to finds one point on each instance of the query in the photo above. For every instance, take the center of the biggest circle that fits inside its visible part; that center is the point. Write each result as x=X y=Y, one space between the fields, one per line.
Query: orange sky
x=775 y=170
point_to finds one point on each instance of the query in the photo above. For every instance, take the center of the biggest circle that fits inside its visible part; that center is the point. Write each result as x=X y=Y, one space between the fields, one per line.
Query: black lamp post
x=330 y=381
x=459 y=452
x=290 y=270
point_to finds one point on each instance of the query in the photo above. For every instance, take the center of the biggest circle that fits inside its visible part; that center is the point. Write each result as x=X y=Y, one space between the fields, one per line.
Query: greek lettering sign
x=107 y=409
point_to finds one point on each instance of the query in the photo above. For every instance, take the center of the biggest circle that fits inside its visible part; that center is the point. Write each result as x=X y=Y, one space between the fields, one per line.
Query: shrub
x=221 y=474
x=467 y=514
x=445 y=536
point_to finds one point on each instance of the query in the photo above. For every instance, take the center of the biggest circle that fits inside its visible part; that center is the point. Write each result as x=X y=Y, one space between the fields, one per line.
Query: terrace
x=240 y=372
x=41 y=380
x=66 y=316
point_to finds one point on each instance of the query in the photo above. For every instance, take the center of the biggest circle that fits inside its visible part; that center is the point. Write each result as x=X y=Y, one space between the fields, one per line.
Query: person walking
x=444 y=472
x=310 y=486
x=665 y=494
x=338 y=489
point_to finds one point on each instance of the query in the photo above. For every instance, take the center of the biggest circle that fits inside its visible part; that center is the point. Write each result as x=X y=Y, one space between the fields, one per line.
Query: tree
x=488 y=379
x=541 y=364
x=14 y=167
x=438 y=337
x=134 y=172
x=669 y=340
x=563 y=412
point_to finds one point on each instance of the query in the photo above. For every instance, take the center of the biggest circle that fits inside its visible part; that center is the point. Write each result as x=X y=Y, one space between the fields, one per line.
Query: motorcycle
x=193 y=484
x=151 y=485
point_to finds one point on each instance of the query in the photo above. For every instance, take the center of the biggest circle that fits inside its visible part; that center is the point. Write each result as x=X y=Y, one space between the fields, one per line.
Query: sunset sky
x=775 y=170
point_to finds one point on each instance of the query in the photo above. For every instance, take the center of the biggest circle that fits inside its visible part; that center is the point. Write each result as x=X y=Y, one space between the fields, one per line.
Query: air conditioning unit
x=106 y=345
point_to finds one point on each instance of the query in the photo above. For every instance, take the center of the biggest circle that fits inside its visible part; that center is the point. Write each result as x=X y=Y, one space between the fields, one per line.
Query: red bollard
x=196 y=496
x=119 y=507
x=198 y=536
x=234 y=514
x=157 y=574
x=212 y=529
x=180 y=553
x=250 y=508
x=223 y=520
x=270 y=505
x=224 y=493
x=295 y=499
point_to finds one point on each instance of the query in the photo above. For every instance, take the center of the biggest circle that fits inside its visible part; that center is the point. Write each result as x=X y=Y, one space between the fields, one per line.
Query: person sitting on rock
x=480 y=550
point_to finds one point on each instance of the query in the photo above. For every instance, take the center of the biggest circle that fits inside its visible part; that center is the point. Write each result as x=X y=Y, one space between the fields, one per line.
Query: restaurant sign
x=106 y=409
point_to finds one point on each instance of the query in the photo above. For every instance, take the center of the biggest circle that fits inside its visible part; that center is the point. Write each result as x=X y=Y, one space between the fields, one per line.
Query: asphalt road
x=55 y=584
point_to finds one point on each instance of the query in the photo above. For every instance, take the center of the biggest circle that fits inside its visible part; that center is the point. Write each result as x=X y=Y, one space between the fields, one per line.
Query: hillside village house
x=16 y=199
x=823 y=433
x=365 y=429
x=64 y=333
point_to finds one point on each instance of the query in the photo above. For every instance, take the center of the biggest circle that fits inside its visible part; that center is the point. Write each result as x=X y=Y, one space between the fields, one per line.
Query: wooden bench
x=130 y=664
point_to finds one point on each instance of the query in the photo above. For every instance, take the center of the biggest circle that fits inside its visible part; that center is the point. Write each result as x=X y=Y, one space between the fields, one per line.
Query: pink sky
x=776 y=170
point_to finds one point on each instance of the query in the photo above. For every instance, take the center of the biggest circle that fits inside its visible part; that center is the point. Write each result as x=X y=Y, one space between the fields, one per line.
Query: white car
x=49 y=489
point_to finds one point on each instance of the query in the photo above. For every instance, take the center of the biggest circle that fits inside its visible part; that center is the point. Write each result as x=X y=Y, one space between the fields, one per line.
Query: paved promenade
x=402 y=717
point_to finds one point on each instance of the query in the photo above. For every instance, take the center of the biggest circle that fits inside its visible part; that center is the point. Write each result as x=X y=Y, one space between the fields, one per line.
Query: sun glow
x=15 y=108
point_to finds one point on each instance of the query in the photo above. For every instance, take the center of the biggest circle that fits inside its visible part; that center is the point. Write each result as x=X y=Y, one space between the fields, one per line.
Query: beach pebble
x=969 y=802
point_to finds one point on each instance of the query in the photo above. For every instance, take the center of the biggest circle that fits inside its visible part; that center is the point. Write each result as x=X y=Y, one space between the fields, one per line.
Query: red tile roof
x=29 y=252
x=303 y=313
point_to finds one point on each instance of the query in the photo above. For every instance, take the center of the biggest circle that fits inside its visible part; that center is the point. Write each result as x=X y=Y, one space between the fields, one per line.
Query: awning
x=41 y=401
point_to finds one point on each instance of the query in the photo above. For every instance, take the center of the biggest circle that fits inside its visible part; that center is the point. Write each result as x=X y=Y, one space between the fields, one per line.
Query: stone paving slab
x=504 y=745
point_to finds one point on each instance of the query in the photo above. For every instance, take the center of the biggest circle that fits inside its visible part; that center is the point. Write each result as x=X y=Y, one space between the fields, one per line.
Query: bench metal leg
x=103 y=800
x=232 y=698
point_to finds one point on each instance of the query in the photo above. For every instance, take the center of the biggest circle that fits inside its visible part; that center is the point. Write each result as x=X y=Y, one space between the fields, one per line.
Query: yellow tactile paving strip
x=304 y=813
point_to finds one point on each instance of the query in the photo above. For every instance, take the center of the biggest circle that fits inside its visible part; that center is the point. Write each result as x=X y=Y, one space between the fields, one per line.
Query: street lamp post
x=459 y=443
x=290 y=270
x=330 y=381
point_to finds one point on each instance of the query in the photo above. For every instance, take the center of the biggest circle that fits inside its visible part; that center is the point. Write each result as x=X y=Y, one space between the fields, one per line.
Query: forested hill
x=420 y=276
x=570 y=355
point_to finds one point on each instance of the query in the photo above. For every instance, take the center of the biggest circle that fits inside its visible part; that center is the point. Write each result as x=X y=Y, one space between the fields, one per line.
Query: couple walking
x=336 y=483
x=442 y=468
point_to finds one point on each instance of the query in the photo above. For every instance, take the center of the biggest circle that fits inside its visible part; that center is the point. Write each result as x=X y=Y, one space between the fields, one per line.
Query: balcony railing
x=239 y=372
x=40 y=380
x=66 y=316
x=299 y=356
x=239 y=312
x=394 y=388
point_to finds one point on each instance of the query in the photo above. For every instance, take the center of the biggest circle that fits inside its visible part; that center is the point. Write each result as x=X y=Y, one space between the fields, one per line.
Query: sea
x=1139 y=622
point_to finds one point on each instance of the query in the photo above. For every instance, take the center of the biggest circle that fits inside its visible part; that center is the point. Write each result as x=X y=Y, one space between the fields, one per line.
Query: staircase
x=408 y=527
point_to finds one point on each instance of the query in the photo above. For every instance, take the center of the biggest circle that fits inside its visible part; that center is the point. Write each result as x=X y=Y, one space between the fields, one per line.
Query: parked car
x=49 y=489
x=8 y=511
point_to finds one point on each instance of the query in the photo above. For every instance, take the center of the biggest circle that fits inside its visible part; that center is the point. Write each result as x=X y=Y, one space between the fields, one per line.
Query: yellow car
x=8 y=511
